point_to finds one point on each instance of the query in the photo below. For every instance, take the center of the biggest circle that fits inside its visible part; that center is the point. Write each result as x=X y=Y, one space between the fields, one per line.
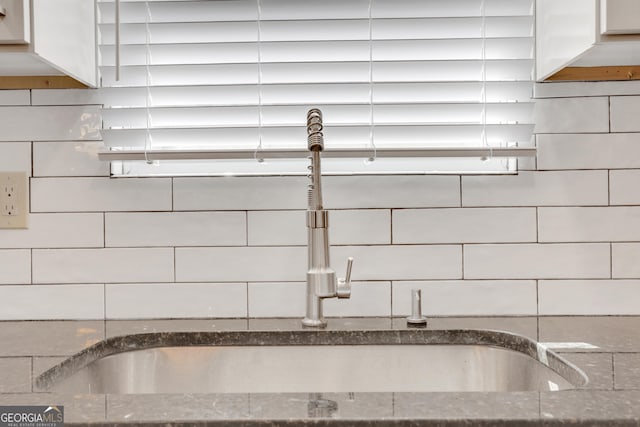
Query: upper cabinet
x=588 y=39
x=47 y=44
x=620 y=17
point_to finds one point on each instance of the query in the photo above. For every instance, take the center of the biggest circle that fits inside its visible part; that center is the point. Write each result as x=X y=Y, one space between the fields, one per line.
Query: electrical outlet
x=13 y=199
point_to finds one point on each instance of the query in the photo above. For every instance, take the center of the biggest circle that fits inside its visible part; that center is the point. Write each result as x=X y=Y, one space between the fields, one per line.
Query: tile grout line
x=391 y=226
x=32 y=374
x=104 y=303
x=537 y=224
x=391 y=298
x=611 y=260
x=538 y=301
x=462 y=261
x=172 y=194
x=609 y=112
x=613 y=371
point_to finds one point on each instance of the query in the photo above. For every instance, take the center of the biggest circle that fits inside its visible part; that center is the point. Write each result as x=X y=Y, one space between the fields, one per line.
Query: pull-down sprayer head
x=315 y=138
x=315 y=141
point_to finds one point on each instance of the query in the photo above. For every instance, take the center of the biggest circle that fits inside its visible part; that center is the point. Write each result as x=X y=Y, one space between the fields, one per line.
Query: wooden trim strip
x=597 y=73
x=40 y=82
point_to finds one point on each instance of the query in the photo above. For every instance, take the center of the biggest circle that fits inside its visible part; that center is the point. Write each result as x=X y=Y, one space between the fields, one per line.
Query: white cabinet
x=58 y=40
x=587 y=39
x=14 y=22
x=620 y=17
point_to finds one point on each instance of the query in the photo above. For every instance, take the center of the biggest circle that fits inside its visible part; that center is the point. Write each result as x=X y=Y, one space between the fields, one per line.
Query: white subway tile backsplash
x=464 y=225
x=399 y=262
x=66 y=97
x=624 y=113
x=589 y=224
x=468 y=298
x=51 y=302
x=15 y=267
x=350 y=192
x=527 y=164
x=572 y=115
x=57 y=230
x=624 y=260
x=589 y=297
x=56 y=123
x=277 y=228
x=285 y=299
x=14 y=97
x=360 y=227
x=241 y=264
x=554 y=188
x=588 y=151
x=367 y=299
x=537 y=261
x=126 y=265
x=16 y=374
x=15 y=156
x=239 y=193
x=346 y=227
x=340 y=192
x=411 y=191
x=486 y=225
x=288 y=300
x=624 y=186
x=284 y=264
x=100 y=194
x=68 y=159
x=175 y=229
x=581 y=89
x=175 y=300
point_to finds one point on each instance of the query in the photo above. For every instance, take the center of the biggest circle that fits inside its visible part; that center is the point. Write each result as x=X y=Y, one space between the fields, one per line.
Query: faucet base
x=313 y=317
x=314 y=323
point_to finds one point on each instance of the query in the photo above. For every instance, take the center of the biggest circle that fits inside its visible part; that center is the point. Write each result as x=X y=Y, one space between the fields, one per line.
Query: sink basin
x=301 y=362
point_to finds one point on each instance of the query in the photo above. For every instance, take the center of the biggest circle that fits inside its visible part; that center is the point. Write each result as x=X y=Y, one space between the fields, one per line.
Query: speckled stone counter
x=608 y=351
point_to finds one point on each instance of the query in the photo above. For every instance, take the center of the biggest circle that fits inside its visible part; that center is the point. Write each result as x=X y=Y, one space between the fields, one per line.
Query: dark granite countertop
x=607 y=349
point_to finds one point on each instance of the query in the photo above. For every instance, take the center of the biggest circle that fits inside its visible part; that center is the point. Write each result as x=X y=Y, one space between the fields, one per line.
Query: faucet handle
x=343 y=290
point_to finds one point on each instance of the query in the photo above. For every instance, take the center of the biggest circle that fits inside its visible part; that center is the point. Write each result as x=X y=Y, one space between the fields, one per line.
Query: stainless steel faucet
x=321 y=278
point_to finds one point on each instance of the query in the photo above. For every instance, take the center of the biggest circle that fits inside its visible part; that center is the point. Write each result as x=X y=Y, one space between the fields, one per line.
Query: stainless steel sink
x=423 y=364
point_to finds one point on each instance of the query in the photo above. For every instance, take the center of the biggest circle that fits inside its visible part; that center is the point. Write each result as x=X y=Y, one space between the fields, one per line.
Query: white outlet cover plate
x=14 y=206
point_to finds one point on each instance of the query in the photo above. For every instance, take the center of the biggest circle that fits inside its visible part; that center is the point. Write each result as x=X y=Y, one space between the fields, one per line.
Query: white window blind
x=387 y=74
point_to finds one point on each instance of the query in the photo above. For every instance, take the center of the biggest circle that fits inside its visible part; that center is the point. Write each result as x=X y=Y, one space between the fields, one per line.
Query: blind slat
x=248 y=116
x=328 y=51
x=180 y=96
x=321 y=73
x=341 y=136
x=343 y=29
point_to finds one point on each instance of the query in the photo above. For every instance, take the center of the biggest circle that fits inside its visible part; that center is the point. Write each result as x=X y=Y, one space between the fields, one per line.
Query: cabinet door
x=14 y=22
x=620 y=17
